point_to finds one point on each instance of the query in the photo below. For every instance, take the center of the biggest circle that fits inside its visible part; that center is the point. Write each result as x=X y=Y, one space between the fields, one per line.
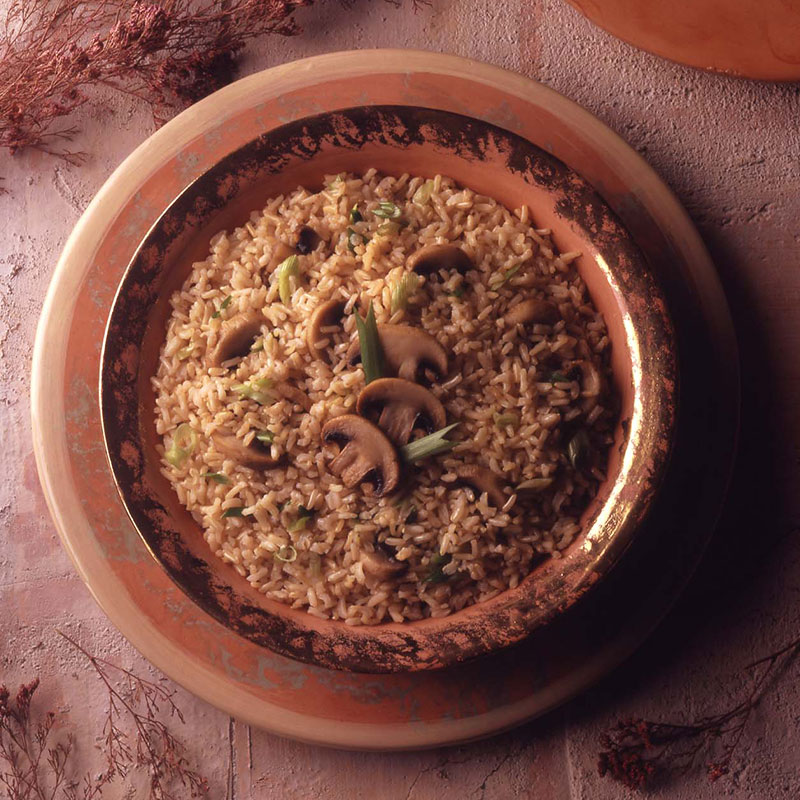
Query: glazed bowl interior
x=393 y=140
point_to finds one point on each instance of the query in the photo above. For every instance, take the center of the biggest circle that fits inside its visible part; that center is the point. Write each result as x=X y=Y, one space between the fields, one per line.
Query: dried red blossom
x=135 y=736
x=167 y=54
x=636 y=752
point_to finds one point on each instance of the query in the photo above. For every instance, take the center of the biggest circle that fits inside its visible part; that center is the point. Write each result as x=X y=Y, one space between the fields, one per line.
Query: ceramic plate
x=287 y=697
x=748 y=38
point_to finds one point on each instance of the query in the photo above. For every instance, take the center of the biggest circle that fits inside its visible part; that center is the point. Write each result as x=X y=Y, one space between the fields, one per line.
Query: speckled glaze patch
x=476 y=154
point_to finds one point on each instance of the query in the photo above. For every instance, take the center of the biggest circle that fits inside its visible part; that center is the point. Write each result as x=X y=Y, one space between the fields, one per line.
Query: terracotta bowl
x=393 y=139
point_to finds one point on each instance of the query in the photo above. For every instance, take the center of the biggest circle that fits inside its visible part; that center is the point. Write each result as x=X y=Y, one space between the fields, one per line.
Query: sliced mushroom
x=483 y=480
x=381 y=566
x=365 y=454
x=402 y=406
x=280 y=252
x=406 y=350
x=307 y=240
x=254 y=455
x=236 y=337
x=434 y=257
x=533 y=310
x=323 y=316
x=591 y=383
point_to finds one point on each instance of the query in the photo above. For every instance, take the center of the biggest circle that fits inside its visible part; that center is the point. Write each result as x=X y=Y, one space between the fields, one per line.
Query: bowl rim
x=515 y=613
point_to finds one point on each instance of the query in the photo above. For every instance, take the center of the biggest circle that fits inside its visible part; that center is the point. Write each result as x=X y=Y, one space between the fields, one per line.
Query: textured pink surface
x=731 y=151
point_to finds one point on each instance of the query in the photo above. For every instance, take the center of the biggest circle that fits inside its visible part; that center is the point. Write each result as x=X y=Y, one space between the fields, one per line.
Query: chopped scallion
x=287 y=554
x=430 y=445
x=185 y=352
x=304 y=516
x=404 y=290
x=436 y=573
x=458 y=292
x=236 y=511
x=217 y=477
x=259 y=391
x=558 y=377
x=267 y=437
x=225 y=303
x=184 y=441
x=287 y=269
x=578 y=449
x=258 y=345
x=370 y=343
x=387 y=210
x=423 y=194
x=353 y=240
x=507 y=420
x=388 y=228
x=355 y=215
x=497 y=282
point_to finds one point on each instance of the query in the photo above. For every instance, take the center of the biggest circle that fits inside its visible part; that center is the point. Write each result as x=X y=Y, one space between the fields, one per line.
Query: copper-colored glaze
x=491 y=161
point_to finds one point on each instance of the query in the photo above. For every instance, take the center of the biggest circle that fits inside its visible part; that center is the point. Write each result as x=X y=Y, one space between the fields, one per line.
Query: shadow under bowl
x=394 y=140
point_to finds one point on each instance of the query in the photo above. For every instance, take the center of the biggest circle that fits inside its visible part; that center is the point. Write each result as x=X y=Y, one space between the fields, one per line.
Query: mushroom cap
x=405 y=350
x=483 y=480
x=434 y=257
x=307 y=240
x=535 y=310
x=592 y=383
x=381 y=566
x=365 y=454
x=236 y=337
x=403 y=406
x=329 y=313
x=253 y=455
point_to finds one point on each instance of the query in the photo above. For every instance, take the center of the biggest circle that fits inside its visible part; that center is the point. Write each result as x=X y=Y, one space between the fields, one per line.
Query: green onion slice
x=578 y=449
x=458 y=292
x=217 y=477
x=355 y=215
x=184 y=441
x=558 y=377
x=387 y=210
x=304 y=516
x=259 y=391
x=225 y=303
x=437 y=563
x=403 y=291
x=185 y=352
x=503 y=279
x=388 y=228
x=267 y=437
x=287 y=269
x=507 y=420
x=371 y=350
x=430 y=445
x=286 y=553
x=423 y=194
x=353 y=240
x=236 y=511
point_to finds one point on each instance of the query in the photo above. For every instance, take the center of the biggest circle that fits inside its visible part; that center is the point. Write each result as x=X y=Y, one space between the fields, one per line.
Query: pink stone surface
x=731 y=151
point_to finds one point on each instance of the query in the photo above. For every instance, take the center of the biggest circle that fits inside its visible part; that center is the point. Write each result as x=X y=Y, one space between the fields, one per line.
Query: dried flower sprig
x=638 y=752
x=34 y=768
x=165 y=53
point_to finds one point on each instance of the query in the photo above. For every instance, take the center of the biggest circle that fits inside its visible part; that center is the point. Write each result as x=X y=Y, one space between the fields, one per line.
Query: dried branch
x=165 y=53
x=637 y=752
x=135 y=736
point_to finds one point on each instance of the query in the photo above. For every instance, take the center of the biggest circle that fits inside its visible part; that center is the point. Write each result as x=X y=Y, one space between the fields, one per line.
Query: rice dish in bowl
x=261 y=373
